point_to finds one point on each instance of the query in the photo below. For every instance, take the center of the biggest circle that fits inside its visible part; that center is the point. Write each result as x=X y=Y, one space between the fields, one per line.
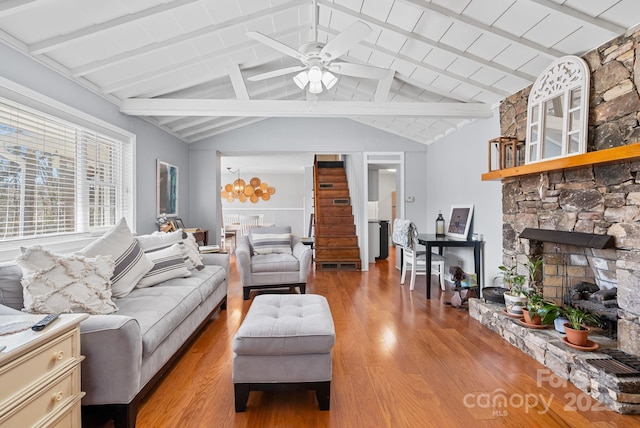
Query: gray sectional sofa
x=128 y=351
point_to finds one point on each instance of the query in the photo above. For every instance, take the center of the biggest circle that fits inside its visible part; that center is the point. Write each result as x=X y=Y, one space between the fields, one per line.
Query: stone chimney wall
x=600 y=199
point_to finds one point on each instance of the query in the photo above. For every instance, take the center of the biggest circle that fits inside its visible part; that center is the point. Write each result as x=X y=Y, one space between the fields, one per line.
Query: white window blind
x=56 y=177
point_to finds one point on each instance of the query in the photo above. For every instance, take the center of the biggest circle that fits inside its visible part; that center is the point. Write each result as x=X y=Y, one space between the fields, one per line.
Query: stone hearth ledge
x=546 y=346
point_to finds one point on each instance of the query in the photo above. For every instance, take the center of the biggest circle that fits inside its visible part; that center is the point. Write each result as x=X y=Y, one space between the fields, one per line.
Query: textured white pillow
x=131 y=262
x=65 y=283
x=168 y=263
x=192 y=250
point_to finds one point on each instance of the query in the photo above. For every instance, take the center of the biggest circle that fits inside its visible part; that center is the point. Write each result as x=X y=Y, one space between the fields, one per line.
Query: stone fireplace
x=600 y=199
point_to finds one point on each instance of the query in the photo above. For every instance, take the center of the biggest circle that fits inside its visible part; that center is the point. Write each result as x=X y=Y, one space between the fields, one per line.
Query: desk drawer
x=52 y=399
x=26 y=372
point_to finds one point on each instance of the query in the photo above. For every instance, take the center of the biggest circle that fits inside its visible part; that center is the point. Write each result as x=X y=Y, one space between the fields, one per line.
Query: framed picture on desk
x=460 y=221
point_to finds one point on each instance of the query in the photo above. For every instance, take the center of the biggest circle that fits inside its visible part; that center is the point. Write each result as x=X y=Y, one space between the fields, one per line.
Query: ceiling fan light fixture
x=301 y=79
x=329 y=79
x=315 y=87
x=315 y=74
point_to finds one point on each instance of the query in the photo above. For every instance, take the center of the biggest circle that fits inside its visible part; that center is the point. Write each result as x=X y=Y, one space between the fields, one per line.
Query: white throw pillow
x=131 y=262
x=192 y=250
x=65 y=283
x=168 y=263
x=271 y=243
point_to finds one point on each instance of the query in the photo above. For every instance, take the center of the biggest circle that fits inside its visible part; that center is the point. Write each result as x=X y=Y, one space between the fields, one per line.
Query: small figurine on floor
x=461 y=293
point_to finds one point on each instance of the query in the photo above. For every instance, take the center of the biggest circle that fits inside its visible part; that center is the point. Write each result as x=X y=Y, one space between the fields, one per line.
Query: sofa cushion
x=271 y=243
x=10 y=286
x=131 y=262
x=168 y=263
x=274 y=263
x=206 y=280
x=65 y=283
x=158 y=310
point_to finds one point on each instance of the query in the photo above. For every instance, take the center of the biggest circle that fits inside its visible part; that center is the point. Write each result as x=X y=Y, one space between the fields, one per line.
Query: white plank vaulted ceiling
x=185 y=65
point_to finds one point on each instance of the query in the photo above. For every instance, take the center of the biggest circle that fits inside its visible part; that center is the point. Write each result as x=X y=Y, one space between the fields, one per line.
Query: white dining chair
x=249 y=221
x=405 y=236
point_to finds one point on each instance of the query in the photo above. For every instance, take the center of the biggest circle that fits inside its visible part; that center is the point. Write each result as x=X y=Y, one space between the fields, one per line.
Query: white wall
x=454 y=168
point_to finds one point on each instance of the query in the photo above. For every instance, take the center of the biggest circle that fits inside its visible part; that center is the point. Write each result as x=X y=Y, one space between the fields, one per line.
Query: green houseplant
x=514 y=299
x=535 y=302
x=553 y=313
x=576 y=330
x=534 y=272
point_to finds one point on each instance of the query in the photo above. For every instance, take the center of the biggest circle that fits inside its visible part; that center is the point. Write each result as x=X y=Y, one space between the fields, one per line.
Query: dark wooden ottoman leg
x=246 y=293
x=241 y=396
x=323 y=394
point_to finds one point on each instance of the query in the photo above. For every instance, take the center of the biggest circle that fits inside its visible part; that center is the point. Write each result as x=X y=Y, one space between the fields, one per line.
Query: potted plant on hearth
x=514 y=299
x=535 y=302
x=534 y=266
x=552 y=313
x=576 y=330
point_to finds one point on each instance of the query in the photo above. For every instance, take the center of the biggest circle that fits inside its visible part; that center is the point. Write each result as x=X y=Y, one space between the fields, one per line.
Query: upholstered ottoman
x=284 y=343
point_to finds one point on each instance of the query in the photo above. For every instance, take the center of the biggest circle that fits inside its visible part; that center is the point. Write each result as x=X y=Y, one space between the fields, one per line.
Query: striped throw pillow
x=271 y=243
x=168 y=263
x=131 y=262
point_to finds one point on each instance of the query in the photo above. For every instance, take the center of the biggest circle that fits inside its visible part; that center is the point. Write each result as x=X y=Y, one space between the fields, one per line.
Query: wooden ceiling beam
x=549 y=52
x=573 y=13
x=287 y=108
x=53 y=43
x=202 y=32
x=429 y=42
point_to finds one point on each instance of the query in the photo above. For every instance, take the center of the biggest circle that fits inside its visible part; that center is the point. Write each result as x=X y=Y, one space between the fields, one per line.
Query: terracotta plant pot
x=535 y=319
x=577 y=337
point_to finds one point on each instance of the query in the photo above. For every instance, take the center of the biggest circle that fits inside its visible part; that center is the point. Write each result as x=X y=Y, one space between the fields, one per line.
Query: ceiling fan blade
x=344 y=41
x=273 y=43
x=276 y=73
x=358 y=70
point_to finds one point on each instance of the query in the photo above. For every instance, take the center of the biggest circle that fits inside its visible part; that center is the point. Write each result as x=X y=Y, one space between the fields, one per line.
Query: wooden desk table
x=431 y=240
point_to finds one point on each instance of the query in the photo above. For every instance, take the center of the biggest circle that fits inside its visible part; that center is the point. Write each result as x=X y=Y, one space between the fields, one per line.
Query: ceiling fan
x=317 y=58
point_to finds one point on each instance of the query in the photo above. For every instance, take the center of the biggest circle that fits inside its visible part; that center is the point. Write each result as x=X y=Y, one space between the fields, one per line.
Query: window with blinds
x=56 y=177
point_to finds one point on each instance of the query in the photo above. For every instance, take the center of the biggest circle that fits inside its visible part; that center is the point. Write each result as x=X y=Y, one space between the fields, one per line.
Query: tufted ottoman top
x=286 y=324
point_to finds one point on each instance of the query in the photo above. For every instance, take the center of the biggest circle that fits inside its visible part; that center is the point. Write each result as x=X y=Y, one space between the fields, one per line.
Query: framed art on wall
x=460 y=221
x=167 y=189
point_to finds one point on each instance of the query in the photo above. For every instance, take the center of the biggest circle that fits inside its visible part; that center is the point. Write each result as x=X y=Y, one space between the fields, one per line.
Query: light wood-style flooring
x=399 y=361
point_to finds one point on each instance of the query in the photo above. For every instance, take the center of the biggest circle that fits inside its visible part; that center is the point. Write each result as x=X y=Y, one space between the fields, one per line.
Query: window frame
x=43 y=105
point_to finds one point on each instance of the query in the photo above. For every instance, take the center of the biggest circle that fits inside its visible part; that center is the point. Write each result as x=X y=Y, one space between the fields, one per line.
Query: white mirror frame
x=559 y=80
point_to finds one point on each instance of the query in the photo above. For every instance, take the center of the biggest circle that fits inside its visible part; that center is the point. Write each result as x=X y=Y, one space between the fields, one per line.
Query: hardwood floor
x=399 y=361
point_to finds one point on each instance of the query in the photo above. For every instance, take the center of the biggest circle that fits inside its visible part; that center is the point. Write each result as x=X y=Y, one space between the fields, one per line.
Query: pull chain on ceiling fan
x=317 y=67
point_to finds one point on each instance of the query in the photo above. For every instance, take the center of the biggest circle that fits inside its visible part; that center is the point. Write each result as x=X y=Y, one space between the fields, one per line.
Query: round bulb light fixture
x=315 y=77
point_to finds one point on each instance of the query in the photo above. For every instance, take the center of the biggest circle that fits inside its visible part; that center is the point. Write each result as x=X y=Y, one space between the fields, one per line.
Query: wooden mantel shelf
x=615 y=154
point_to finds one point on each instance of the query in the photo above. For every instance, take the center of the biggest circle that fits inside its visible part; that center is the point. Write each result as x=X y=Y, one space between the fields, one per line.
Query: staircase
x=336 y=242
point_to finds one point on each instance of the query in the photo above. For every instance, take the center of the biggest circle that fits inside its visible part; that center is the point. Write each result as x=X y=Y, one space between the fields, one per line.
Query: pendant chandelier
x=243 y=191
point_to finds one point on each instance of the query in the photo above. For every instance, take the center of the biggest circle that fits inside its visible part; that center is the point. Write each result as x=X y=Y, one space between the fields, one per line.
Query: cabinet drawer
x=25 y=373
x=52 y=399
x=69 y=419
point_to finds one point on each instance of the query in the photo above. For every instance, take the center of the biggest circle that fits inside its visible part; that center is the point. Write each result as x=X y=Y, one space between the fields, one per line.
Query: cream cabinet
x=40 y=373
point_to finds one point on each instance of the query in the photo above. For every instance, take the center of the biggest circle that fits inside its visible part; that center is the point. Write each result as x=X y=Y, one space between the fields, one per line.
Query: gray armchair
x=277 y=269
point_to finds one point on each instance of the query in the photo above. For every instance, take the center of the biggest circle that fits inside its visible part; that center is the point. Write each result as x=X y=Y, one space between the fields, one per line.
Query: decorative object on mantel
x=505 y=152
x=240 y=190
x=557 y=111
